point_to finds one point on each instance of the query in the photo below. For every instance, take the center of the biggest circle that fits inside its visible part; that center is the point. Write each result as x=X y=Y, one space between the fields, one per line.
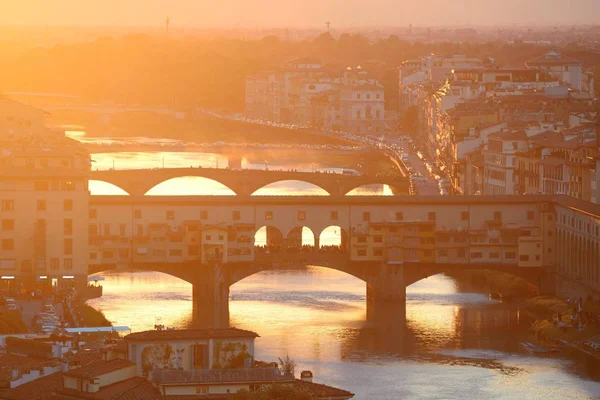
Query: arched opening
x=101 y=188
x=290 y=188
x=371 y=190
x=333 y=238
x=141 y=299
x=300 y=238
x=190 y=186
x=268 y=239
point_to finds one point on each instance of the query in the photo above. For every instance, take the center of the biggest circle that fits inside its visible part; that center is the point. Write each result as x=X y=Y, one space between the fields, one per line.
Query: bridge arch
x=300 y=236
x=290 y=188
x=369 y=190
x=103 y=188
x=333 y=235
x=269 y=236
x=190 y=186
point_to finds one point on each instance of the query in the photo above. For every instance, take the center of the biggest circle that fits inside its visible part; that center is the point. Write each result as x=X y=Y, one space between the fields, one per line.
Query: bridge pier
x=386 y=295
x=211 y=297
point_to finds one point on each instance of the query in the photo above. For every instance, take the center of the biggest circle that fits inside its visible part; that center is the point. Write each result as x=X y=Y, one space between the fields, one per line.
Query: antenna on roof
x=327 y=23
x=167 y=22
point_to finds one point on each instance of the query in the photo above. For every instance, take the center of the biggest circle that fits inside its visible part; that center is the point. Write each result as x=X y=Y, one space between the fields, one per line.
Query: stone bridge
x=385 y=284
x=245 y=182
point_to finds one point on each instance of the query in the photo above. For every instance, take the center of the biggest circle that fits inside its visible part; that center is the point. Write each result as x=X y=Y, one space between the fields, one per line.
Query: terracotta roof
x=40 y=389
x=186 y=334
x=322 y=391
x=130 y=389
x=547 y=59
x=509 y=135
x=98 y=368
x=9 y=362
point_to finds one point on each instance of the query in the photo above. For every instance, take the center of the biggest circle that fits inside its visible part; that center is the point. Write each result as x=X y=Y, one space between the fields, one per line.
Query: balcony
x=219 y=375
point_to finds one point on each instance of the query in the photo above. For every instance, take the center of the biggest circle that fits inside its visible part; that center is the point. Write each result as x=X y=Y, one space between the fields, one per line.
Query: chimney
x=306 y=376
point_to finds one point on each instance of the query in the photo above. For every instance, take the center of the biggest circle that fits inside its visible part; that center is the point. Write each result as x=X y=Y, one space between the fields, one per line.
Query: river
x=450 y=344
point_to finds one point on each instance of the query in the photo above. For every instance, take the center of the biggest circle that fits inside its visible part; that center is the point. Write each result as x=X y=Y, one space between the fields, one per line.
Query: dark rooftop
x=40 y=389
x=191 y=334
x=98 y=368
x=130 y=389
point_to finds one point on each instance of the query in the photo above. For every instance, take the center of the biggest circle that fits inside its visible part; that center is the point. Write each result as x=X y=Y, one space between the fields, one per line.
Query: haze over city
x=299 y=200
x=289 y=13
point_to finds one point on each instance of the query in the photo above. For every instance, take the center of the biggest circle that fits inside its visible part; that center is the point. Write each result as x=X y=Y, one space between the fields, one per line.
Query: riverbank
x=199 y=128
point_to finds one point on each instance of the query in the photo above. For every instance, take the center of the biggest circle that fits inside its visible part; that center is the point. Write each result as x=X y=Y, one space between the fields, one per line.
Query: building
x=565 y=69
x=43 y=201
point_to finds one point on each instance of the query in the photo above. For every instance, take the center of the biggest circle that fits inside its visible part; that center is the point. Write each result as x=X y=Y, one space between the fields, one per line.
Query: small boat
x=532 y=348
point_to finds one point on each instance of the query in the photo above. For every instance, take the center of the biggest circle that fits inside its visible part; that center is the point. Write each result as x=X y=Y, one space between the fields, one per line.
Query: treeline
x=141 y=69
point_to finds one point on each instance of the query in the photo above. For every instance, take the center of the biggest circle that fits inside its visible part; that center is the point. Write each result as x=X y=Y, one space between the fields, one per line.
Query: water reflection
x=450 y=344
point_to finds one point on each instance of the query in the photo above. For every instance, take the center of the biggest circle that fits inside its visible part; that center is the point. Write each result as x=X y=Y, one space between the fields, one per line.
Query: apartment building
x=43 y=201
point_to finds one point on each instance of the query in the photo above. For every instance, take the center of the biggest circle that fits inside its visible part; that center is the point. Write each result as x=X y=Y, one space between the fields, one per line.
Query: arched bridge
x=245 y=182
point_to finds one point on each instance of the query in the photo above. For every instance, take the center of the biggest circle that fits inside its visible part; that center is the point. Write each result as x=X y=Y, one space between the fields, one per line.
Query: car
x=11 y=307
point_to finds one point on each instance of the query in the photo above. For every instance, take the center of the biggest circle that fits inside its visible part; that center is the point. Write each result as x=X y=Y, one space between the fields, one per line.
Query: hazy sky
x=297 y=13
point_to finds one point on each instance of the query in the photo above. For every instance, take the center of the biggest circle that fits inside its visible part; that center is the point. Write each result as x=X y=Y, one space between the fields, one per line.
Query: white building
x=565 y=69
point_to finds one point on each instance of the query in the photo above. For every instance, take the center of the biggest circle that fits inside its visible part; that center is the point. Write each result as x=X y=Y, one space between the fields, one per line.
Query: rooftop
x=130 y=389
x=553 y=58
x=191 y=334
x=39 y=389
x=318 y=390
x=98 y=368
x=10 y=362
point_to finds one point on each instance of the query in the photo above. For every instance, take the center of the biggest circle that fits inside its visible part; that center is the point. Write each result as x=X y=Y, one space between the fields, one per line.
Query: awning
x=107 y=329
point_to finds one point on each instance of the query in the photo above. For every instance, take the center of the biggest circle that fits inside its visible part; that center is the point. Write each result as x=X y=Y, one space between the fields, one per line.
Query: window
x=8 y=224
x=494 y=254
x=41 y=185
x=68 y=185
x=510 y=255
x=54 y=263
x=549 y=233
x=68 y=263
x=358 y=114
x=202 y=390
x=524 y=257
x=92 y=229
x=378 y=239
x=68 y=205
x=399 y=216
x=137 y=214
x=68 y=246
x=207 y=237
x=236 y=215
x=361 y=253
x=139 y=230
x=428 y=253
x=170 y=215
x=8 y=205
x=361 y=239
x=93 y=214
x=107 y=229
x=431 y=216
x=497 y=216
x=123 y=229
x=175 y=252
x=530 y=215
x=377 y=252
x=8 y=244
x=464 y=216
x=494 y=240
x=476 y=255
x=301 y=215
x=203 y=214
x=269 y=215
x=108 y=254
x=333 y=215
x=366 y=216
x=93 y=256
x=41 y=205
x=221 y=237
x=537 y=258
x=443 y=253
x=68 y=226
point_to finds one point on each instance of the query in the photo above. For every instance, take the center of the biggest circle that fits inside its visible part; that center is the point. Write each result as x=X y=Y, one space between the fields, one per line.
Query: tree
x=288 y=366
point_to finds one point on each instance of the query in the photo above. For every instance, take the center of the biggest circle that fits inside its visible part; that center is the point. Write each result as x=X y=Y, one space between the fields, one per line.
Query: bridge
x=245 y=182
x=388 y=242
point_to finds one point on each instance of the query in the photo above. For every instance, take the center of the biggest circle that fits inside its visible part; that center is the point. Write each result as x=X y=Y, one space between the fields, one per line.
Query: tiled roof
x=98 y=368
x=322 y=391
x=546 y=59
x=509 y=135
x=9 y=362
x=191 y=334
x=553 y=161
x=39 y=389
x=130 y=389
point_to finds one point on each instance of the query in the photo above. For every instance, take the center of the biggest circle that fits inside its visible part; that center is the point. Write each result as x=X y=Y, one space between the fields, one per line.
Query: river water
x=450 y=344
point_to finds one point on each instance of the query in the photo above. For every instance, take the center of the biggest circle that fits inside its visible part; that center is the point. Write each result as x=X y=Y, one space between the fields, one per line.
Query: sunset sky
x=294 y=13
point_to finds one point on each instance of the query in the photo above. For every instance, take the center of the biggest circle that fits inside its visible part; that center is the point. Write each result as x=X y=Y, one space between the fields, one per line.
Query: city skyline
x=271 y=14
